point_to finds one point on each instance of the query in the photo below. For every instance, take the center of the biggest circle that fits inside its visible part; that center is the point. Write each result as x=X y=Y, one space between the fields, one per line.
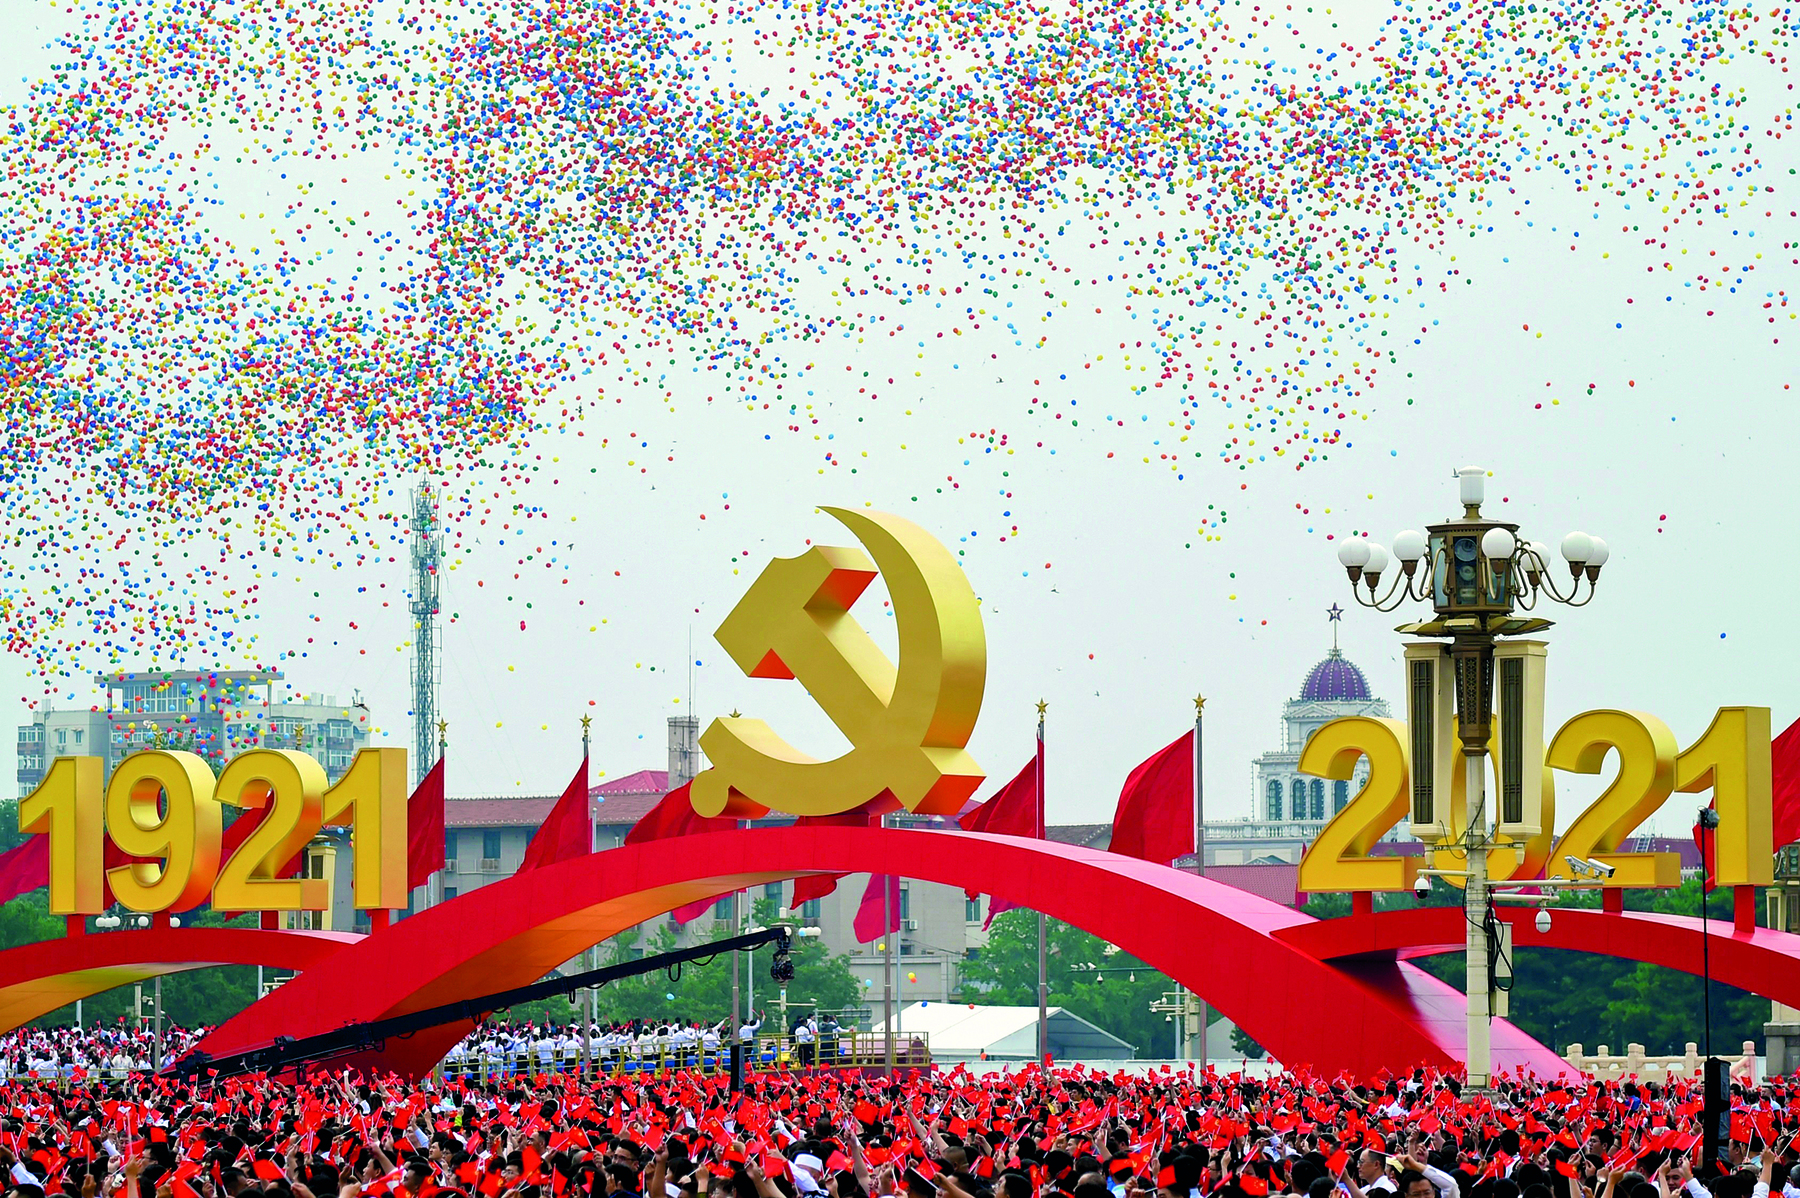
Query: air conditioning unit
x=490 y=865
x=450 y=865
x=912 y=925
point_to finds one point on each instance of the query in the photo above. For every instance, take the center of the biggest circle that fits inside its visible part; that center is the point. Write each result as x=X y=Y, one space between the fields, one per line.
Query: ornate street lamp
x=1478 y=573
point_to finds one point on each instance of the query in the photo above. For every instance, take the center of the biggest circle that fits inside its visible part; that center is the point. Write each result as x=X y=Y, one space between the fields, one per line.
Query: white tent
x=959 y=1032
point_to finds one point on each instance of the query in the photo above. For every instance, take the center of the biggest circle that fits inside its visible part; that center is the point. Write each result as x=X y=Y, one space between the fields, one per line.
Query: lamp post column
x=1474 y=664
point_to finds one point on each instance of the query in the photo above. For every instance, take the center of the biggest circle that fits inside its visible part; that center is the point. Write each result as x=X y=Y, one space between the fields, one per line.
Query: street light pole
x=1477 y=571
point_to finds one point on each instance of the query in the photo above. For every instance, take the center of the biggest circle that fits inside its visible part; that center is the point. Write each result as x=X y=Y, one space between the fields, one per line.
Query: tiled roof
x=618 y=801
x=498 y=813
x=627 y=800
x=654 y=782
x=1096 y=836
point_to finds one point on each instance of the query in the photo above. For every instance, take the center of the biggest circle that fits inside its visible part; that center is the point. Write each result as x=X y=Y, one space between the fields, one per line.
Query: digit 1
x=69 y=807
x=373 y=791
x=185 y=834
x=1733 y=760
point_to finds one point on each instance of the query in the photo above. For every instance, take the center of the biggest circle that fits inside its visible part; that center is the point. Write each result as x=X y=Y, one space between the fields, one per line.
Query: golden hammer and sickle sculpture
x=907 y=724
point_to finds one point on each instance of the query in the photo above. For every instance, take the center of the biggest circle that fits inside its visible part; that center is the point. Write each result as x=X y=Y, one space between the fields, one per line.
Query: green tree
x=1561 y=997
x=1112 y=990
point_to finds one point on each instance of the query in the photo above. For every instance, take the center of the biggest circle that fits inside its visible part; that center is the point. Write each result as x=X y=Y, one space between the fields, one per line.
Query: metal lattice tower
x=427 y=550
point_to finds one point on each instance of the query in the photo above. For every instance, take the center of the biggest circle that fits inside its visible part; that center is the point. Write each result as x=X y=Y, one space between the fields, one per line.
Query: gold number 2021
x=1732 y=759
x=164 y=809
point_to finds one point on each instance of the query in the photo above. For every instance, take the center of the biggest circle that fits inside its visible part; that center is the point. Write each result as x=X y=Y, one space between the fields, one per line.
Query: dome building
x=1289 y=808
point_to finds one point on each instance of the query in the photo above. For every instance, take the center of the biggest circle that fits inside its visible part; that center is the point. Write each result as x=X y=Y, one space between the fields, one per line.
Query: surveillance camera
x=1543 y=920
x=1422 y=886
x=1602 y=869
x=1577 y=867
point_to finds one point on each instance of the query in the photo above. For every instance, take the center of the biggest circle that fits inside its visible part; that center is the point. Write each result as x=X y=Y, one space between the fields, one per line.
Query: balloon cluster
x=264 y=263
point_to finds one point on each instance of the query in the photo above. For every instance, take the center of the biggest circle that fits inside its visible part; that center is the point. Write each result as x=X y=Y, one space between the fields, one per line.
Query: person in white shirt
x=1372 y=1169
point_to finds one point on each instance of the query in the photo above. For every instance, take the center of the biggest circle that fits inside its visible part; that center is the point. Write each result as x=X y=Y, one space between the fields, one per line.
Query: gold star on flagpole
x=1199 y=706
x=585 y=721
x=1042 y=707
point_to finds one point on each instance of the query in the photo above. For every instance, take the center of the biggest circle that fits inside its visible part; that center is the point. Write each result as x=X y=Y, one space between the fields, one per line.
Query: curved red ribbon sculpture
x=1335 y=995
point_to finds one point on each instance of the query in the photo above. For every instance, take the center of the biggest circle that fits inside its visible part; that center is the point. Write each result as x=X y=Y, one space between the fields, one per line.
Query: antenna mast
x=427 y=550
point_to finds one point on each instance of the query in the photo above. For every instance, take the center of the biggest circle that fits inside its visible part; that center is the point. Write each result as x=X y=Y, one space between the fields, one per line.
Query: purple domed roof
x=1336 y=679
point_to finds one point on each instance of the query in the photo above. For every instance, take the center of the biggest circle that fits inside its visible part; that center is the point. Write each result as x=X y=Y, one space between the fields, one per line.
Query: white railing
x=1635 y=1063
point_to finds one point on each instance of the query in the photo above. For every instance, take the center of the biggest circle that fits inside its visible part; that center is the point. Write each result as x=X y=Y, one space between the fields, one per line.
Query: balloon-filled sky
x=1139 y=305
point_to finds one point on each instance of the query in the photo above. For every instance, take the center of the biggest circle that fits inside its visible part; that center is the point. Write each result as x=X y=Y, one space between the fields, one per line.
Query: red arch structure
x=35 y=979
x=1357 y=1015
x=1761 y=960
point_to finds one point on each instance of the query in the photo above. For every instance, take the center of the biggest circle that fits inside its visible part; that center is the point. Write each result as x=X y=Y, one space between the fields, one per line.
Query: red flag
x=813 y=886
x=674 y=816
x=25 y=868
x=568 y=830
x=1155 y=817
x=1011 y=811
x=869 y=924
x=424 y=828
x=694 y=910
x=1784 y=769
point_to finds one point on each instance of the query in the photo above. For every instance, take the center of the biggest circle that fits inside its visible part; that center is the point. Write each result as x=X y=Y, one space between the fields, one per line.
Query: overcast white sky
x=1681 y=457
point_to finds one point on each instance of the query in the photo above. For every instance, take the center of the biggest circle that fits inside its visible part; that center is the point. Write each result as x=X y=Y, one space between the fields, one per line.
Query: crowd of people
x=505 y=1047
x=499 y=1048
x=944 y=1133
x=109 y=1051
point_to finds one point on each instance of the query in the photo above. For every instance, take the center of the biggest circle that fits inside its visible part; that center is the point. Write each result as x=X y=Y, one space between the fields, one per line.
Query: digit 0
x=184 y=832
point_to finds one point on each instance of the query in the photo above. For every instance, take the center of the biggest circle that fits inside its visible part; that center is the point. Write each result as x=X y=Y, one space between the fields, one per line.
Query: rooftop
x=1335 y=680
x=617 y=801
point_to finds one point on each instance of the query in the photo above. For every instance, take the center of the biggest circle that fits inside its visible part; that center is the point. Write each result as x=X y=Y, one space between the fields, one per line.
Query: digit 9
x=183 y=830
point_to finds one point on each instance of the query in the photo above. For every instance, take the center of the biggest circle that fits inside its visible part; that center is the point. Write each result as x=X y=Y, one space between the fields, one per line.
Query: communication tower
x=427 y=551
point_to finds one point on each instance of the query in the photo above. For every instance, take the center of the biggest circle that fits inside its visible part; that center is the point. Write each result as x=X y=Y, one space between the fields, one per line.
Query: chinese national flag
x=869 y=924
x=1012 y=811
x=568 y=830
x=25 y=868
x=1155 y=817
x=675 y=816
x=424 y=828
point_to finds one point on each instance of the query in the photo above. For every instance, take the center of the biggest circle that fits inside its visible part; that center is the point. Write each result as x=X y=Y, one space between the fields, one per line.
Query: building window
x=449 y=893
x=1274 y=798
x=62 y=737
x=722 y=908
x=972 y=909
x=1340 y=796
x=809 y=909
x=77 y=736
x=1297 y=799
x=772 y=892
x=1318 y=798
x=905 y=901
x=490 y=844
